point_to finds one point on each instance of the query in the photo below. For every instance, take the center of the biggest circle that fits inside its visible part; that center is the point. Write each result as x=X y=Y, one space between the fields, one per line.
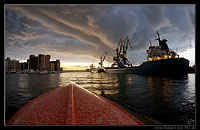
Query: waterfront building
x=33 y=64
x=41 y=62
x=56 y=65
x=24 y=66
x=47 y=62
x=51 y=66
x=12 y=65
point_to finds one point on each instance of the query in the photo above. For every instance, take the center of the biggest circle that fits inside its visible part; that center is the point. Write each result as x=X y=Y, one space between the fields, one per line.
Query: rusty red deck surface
x=72 y=105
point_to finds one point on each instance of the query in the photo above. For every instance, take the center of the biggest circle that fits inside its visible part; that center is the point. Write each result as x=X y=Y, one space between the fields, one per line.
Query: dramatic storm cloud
x=81 y=33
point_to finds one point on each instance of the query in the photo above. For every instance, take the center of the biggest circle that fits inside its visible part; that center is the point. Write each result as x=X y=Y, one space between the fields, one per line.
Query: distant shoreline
x=73 y=71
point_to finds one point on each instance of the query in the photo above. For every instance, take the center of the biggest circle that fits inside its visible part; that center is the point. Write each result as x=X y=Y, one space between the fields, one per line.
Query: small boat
x=43 y=72
x=92 y=69
x=72 y=105
x=101 y=70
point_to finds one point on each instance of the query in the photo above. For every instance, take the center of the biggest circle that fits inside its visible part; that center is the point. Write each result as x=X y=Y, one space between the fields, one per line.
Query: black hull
x=101 y=70
x=165 y=67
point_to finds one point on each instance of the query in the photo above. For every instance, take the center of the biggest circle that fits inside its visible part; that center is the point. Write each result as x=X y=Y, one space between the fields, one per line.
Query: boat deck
x=72 y=105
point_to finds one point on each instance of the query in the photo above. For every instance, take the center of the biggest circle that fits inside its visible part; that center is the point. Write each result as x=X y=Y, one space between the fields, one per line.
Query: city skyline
x=79 y=34
x=40 y=63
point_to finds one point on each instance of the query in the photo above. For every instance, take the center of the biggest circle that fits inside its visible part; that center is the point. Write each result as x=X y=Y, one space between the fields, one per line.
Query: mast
x=158 y=38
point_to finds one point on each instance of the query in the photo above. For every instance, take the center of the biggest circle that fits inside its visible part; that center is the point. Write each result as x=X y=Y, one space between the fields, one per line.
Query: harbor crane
x=102 y=58
x=120 y=60
x=116 y=58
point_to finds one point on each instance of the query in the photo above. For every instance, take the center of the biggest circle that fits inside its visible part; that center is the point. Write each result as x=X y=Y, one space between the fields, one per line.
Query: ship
x=161 y=61
x=91 y=69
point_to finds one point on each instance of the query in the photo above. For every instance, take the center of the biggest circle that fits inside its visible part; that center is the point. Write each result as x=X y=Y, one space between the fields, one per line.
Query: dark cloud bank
x=86 y=31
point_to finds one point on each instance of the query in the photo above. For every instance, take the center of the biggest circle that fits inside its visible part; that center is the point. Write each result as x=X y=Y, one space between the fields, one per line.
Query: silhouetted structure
x=56 y=65
x=41 y=62
x=24 y=66
x=52 y=68
x=191 y=69
x=34 y=63
x=12 y=65
x=47 y=62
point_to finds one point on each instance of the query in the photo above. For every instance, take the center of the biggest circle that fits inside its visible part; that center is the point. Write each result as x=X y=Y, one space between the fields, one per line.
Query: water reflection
x=160 y=88
x=95 y=82
x=102 y=81
x=171 y=98
x=130 y=80
x=23 y=89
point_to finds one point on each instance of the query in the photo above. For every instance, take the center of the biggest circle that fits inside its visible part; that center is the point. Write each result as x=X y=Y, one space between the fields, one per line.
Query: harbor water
x=168 y=100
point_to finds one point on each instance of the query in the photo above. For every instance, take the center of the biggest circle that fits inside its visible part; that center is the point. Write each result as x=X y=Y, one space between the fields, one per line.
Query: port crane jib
x=120 y=59
x=118 y=51
x=102 y=58
x=125 y=47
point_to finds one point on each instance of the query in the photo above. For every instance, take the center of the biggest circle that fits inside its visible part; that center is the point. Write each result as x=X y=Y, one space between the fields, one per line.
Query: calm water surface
x=170 y=101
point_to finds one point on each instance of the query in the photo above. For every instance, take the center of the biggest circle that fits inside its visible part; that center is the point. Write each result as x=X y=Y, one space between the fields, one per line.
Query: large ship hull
x=164 y=67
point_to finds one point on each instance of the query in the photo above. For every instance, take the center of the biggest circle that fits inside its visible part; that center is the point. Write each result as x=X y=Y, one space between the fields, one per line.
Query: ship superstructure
x=161 y=51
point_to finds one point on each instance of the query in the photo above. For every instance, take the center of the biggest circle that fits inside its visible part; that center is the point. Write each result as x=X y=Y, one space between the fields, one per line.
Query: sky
x=78 y=35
